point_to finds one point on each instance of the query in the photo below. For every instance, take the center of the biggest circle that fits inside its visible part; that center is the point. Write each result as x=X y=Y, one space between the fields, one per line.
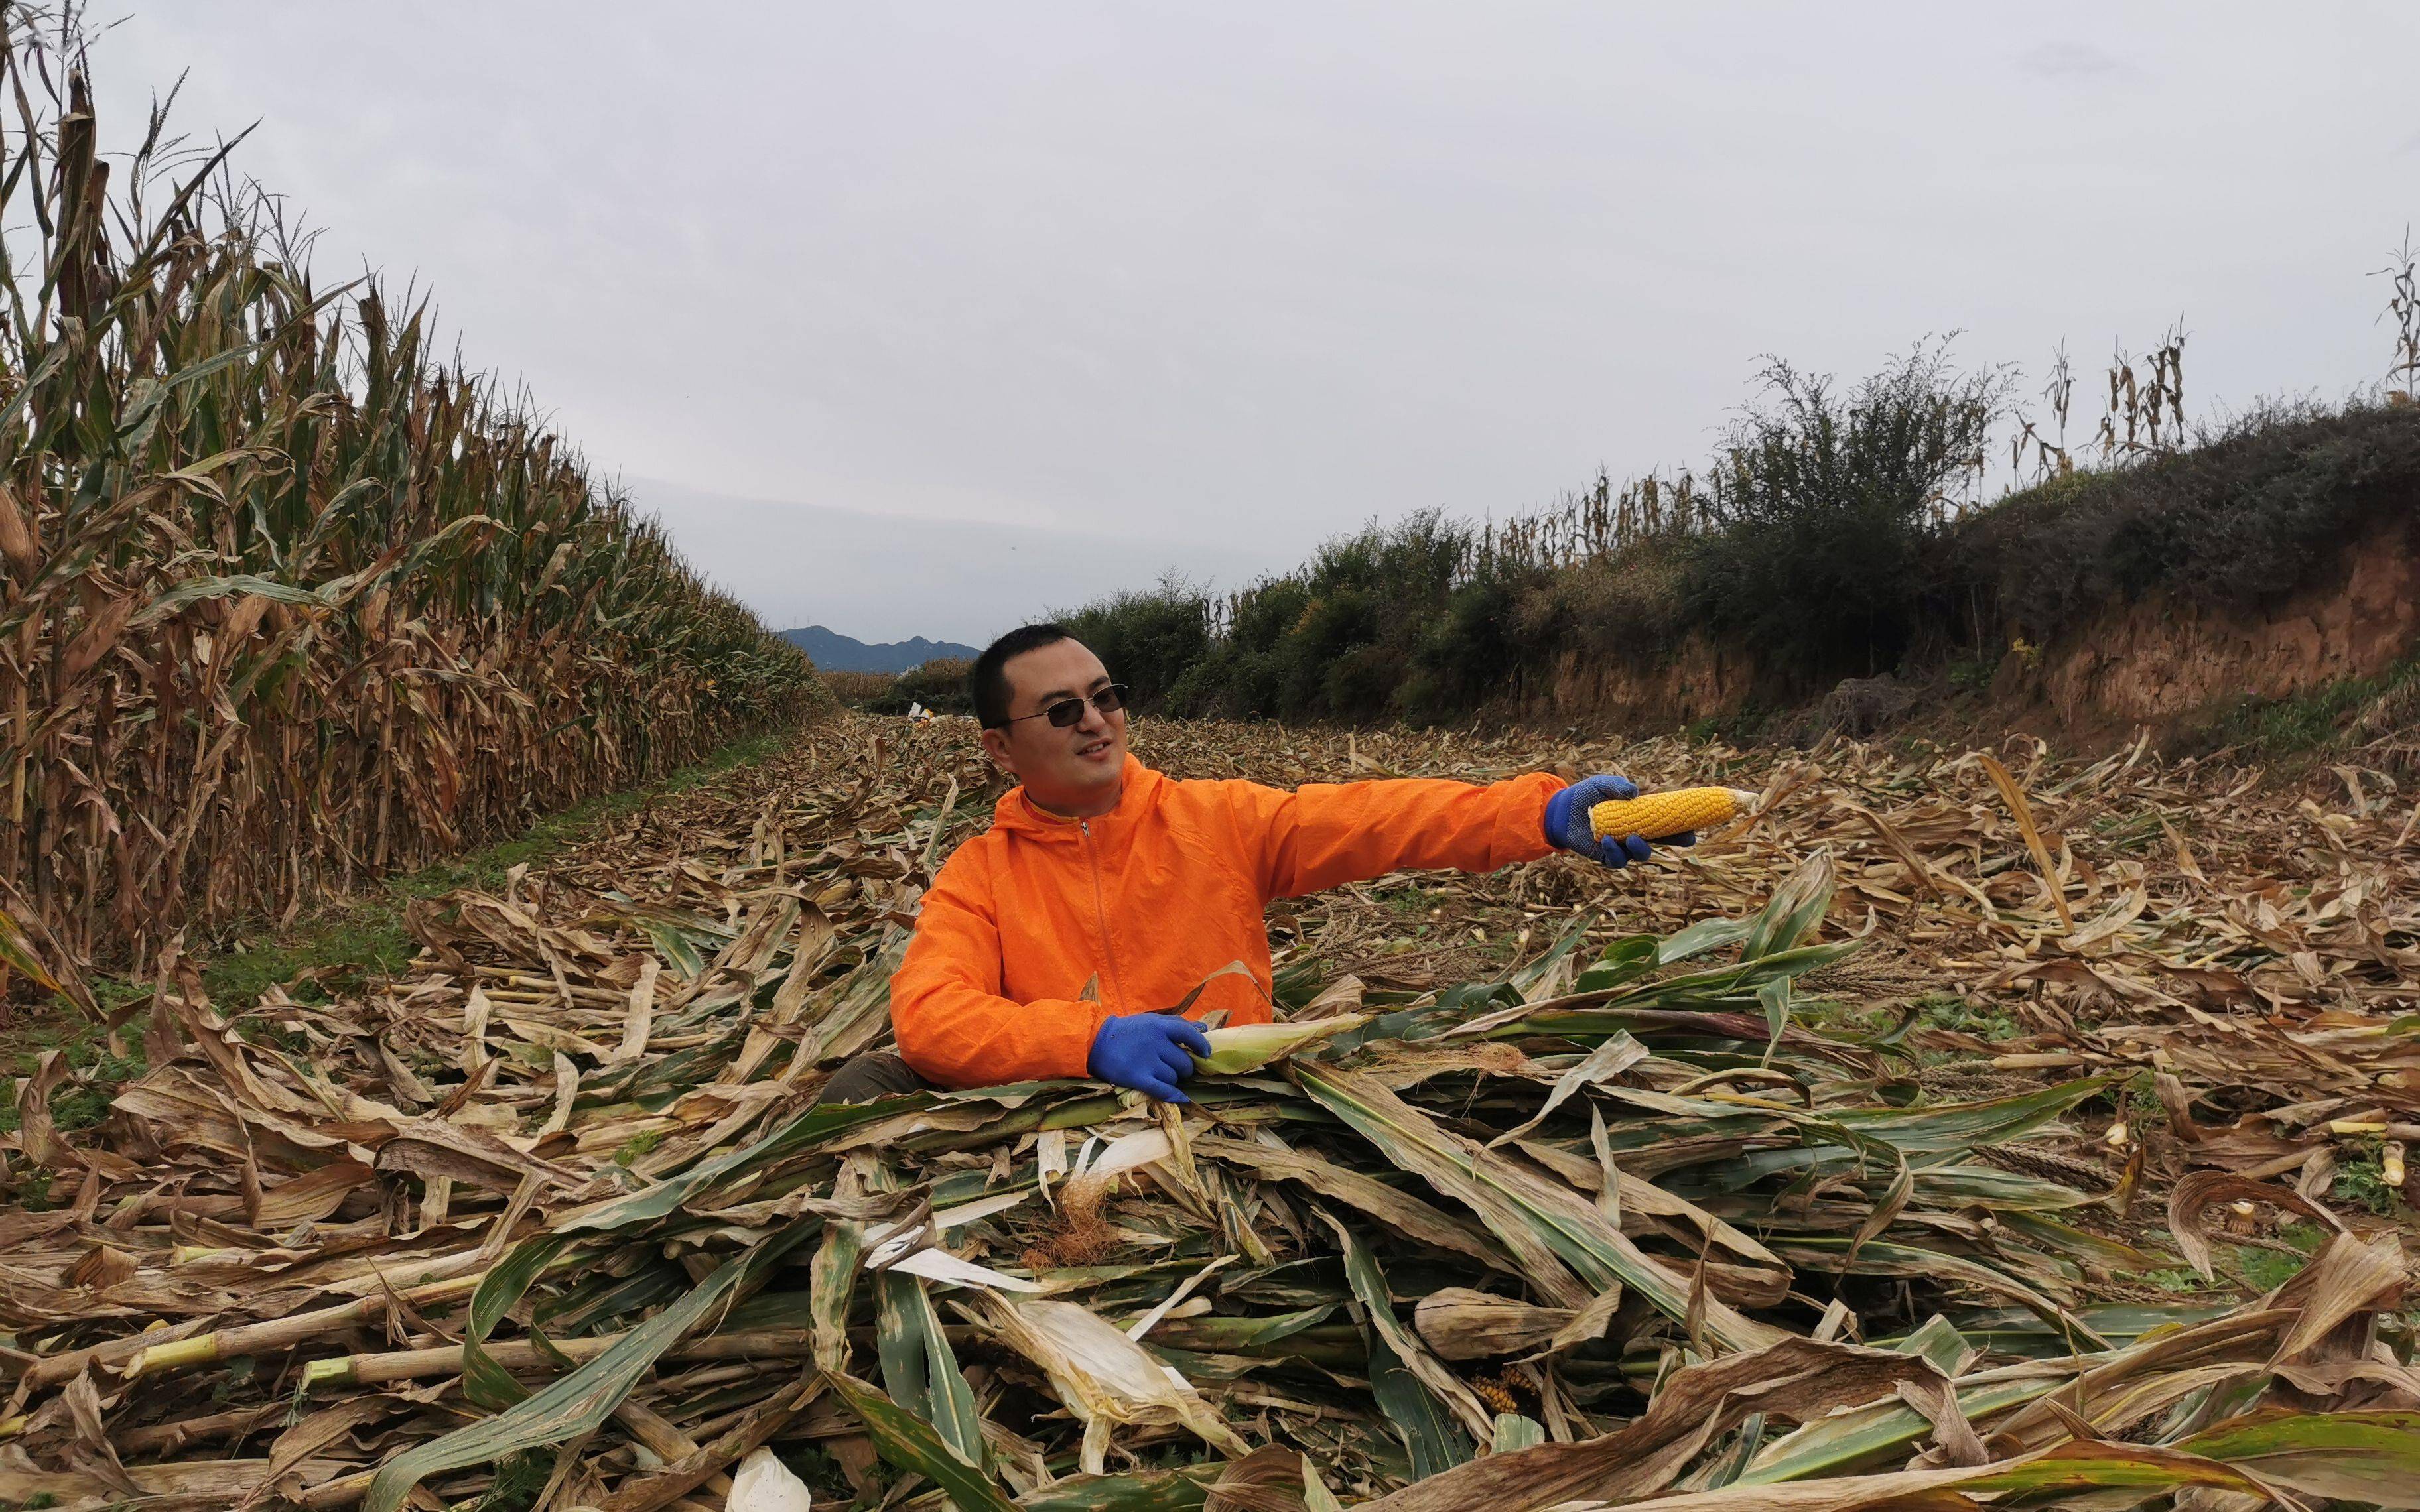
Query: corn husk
x=764 y=1483
x=1103 y=1377
x=1462 y=1324
x=1239 y=1049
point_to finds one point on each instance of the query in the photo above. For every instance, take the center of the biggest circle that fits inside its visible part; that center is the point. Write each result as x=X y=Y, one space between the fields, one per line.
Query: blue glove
x=1568 y=827
x=1148 y=1052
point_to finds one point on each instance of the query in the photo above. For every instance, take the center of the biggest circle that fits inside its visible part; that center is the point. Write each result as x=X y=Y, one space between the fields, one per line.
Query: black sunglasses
x=1068 y=713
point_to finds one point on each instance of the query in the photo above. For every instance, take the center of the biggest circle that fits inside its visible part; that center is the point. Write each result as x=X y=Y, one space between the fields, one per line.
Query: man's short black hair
x=989 y=682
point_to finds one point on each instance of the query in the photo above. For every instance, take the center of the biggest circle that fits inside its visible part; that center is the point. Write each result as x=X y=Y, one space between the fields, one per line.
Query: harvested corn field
x=1954 y=1128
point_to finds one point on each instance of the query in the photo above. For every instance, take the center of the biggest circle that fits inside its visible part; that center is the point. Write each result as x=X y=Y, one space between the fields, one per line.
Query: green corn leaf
x=917 y=1368
x=1705 y=934
x=832 y=1286
x=1938 y=1340
x=1965 y=1126
x=199 y=589
x=1774 y=996
x=1550 y=1228
x=578 y=1402
x=910 y=1444
x=1794 y=911
x=485 y=1381
x=1432 y=1437
x=1535 y=972
x=1443 y=1434
x=1863 y=1436
x=2368 y=1457
x=674 y=947
x=1153 y=1490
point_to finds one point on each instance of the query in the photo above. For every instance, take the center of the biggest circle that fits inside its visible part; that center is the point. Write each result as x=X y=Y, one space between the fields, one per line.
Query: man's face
x=1075 y=770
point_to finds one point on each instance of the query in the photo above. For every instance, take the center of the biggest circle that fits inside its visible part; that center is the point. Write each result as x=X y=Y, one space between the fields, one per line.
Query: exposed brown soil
x=2158 y=662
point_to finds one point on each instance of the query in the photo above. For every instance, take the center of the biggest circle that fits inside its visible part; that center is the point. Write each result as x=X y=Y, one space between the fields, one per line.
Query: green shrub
x=1148 y=640
x=1632 y=603
x=942 y=684
x=939 y=685
x=1471 y=653
x=1823 y=506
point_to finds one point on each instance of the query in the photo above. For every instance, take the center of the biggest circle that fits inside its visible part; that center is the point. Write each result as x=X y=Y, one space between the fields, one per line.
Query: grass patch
x=2303 y=724
x=100 y=1072
x=2266 y=1270
x=519 y=1479
x=1973 y=674
x=1752 y=724
x=2363 y=1181
x=2252 y=1267
x=1947 y=1010
x=1411 y=902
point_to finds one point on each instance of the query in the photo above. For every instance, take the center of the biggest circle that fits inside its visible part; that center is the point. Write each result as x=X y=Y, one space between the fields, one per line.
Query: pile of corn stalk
x=1557 y=1188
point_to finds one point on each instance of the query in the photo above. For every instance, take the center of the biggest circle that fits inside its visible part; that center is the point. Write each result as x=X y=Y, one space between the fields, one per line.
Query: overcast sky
x=1143 y=285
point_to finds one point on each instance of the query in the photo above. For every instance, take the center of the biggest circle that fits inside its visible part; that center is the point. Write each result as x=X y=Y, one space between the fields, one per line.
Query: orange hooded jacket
x=1150 y=898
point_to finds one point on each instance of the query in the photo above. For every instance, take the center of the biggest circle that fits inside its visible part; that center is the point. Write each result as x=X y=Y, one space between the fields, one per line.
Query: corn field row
x=1598 y=521
x=286 y=601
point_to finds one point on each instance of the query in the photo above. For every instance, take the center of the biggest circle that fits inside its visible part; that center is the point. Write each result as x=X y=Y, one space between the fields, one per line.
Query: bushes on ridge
x=2248 y=512
x=1825 y=550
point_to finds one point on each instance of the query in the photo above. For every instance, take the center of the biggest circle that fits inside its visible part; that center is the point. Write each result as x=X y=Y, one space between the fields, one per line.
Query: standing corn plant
x=2402 y=273
x=285 y=601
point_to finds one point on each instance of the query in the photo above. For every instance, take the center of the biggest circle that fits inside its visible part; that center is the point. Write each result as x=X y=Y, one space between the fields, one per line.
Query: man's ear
x=995 y=745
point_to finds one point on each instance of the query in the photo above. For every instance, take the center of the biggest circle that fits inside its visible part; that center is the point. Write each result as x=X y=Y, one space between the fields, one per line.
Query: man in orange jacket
x=1105 y=892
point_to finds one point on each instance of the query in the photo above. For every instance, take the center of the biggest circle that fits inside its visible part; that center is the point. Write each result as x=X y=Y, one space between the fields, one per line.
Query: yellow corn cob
x=1657 y=815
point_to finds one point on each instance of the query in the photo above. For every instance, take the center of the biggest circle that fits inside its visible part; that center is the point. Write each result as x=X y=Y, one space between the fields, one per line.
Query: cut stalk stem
x=148 y=1355
x=422 y=1365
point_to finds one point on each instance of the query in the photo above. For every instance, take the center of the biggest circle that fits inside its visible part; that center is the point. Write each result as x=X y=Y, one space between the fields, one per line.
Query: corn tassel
x=1661 y=815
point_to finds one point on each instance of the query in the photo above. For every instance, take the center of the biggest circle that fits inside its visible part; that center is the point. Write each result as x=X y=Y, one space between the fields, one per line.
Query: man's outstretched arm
x=1325 y=834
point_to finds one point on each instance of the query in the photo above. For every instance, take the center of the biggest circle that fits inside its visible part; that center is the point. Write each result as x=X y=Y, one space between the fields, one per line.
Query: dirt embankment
x=1590 y=688
x=2159 y=660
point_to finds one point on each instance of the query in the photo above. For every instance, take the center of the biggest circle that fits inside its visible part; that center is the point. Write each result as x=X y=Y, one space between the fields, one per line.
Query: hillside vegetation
x=286 y=601
x=1838 y=533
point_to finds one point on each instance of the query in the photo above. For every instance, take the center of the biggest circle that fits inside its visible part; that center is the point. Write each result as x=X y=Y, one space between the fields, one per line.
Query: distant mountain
x=893 y=576
x=833 y=651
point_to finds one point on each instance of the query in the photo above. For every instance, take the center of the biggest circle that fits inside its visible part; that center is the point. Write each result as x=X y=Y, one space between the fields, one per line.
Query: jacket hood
x=1016 y=812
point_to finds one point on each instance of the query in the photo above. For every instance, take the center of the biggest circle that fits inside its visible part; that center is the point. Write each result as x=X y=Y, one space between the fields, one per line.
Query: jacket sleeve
x=1323 y=834
x=951 y=1025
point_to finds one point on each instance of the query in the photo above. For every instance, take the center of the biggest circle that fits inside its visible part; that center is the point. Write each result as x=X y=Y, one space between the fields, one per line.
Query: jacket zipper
x=1101 y=909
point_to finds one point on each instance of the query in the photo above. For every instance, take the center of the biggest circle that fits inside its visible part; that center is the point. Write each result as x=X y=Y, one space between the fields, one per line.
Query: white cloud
x=2071 y=60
